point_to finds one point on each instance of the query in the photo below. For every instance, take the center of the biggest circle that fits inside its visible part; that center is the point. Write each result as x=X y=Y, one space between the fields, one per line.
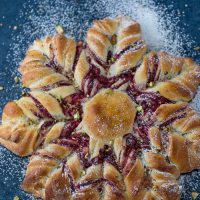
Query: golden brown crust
x=21 y=124
x=165 y=186
x=134 y=181
x=92 y=144
x=81 y=69
x=42 y=165
x=183 y=147
x=19 y=140
x=109 y=114
x=120 y=37
x=57 y=186
x=47 y=61
x=174 y=78
x=155 y=138
x=158 y=162
x=15 y=132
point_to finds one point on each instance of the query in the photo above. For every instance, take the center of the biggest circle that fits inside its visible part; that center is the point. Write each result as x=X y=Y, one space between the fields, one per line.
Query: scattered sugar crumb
x=1 y=88
x=194 y=195
x=16 y=198
x=59 y=29
x=16 y=79
x=197 y=48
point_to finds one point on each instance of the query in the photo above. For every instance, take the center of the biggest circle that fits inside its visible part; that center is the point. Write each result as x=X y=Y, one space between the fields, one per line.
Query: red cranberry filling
x=72 y=104
x=133 y=47
x=44 y=129
x=130 y=153
x=43 y=112
x=150 y=102
x=154 y=74
x=94 y=81
x=69 y=128
x=105 y=154
x=54 y=65
x=55 y=85
x=90 y=184
x=93 y=56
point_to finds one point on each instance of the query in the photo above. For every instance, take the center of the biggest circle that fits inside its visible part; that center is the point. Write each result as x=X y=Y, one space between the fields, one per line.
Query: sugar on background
x=167 y=25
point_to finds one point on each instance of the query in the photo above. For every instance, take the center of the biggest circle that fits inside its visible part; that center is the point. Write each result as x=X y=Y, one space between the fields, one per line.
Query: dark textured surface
x=11 y=175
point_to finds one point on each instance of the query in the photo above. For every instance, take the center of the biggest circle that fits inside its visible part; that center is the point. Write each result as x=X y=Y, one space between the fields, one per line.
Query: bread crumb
x=151 y=84
x=114 y=39
x=1 y=88
x=76 y=115
x=16 y=79
x=139 y=108
x=16 y=198
x=59 y=29
x=194 y=195
x=109 y=91
x=197 y=48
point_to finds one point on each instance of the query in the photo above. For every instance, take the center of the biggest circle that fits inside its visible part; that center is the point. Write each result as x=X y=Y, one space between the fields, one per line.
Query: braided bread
x=174 y=78
x=103 y=120
x=48 y=62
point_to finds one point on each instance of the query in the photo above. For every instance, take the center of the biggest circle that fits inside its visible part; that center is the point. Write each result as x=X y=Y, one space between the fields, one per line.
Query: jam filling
x=90 y=184
x=91 y=84
x=79 y=142
x=106 y=154
x=55 y=85
x=133 y=47
x=71 y=105
x=54 y=65
x=93 y=81
x=44 y=129
x=79 y=48
x=149 y=101
x=68 y=128
x=130 y=153
x=98 y=183
x=99 y=61
x=43 y=112
x=154 y=74
x=66 y=142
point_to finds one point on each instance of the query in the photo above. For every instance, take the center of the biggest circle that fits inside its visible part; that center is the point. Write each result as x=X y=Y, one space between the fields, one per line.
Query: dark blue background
x=10 y=186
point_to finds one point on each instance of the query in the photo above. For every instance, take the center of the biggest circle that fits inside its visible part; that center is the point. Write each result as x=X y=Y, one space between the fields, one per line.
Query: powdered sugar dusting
x=160 y=28
x=40 y=17
x=13 y=169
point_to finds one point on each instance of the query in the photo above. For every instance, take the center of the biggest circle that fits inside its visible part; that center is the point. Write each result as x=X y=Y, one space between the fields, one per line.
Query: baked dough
x=102 y=120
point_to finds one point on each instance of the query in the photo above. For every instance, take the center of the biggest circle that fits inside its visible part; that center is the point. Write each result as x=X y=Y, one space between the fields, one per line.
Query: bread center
x=109 y=114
